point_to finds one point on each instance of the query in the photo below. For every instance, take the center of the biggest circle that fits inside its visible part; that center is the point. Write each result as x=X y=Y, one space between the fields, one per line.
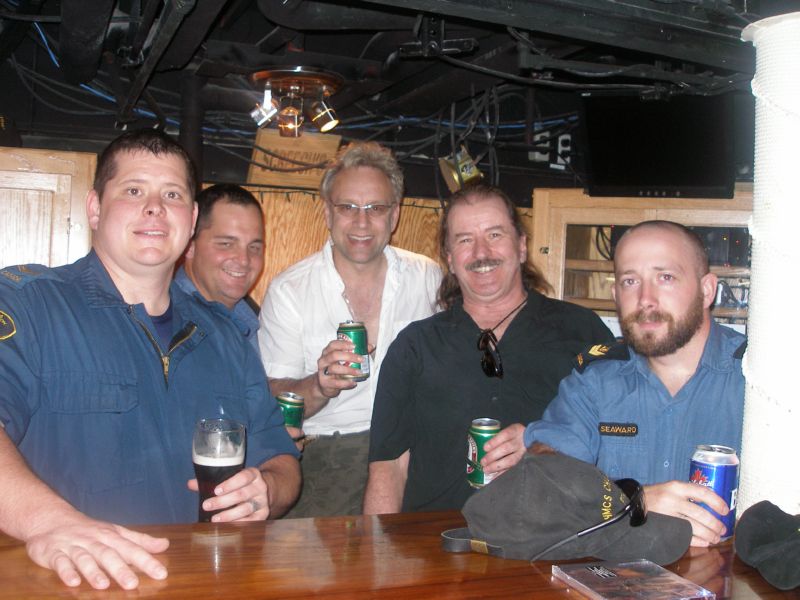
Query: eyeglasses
x=635 y=508
x=491 y=363
x=373 y=211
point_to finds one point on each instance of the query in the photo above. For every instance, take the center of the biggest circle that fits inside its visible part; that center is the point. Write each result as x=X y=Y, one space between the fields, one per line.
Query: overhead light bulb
x=458 y=170
x=295 y=94
x=290 y=114
x=323 y=116
x=264 y=112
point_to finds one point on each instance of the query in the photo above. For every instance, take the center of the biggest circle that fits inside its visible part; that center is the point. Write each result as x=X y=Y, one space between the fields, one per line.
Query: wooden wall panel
x=295 y=227
x=43 y=204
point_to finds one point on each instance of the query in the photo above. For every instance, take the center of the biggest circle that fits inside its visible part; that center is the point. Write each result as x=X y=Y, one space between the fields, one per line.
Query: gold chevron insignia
x=598 y=350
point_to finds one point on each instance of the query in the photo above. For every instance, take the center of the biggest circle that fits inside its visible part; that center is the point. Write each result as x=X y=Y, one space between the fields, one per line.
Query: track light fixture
x=294 y=95
x=459 y=169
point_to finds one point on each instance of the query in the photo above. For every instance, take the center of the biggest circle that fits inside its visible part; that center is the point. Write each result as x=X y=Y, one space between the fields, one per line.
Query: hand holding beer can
x=479 y=432
x=356 y=332
x=218 y=449
x=717 y=467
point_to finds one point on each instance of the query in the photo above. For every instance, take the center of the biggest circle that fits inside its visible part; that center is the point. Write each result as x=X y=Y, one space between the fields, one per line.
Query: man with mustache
x=498 y=351
x=676 y=383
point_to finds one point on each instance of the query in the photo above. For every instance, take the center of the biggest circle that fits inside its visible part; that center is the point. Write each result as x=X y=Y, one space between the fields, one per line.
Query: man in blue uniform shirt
x=641 y=410
x=104 y=369
x=226 y=254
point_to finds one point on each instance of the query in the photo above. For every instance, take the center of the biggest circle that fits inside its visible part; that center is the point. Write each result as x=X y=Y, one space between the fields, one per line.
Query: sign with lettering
x=281 y=155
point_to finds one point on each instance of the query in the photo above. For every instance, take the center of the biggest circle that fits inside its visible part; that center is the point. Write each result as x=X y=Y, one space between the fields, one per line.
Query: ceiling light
x=322 y=116
x=296 y=93
x=264 y=112
x=290 y=112
x=459 y=170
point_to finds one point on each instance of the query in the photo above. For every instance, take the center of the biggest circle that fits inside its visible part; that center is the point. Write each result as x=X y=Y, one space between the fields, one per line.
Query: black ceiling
x=423 y=76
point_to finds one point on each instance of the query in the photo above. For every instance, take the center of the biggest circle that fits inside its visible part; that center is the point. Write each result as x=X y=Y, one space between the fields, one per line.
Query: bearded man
x=676 y=382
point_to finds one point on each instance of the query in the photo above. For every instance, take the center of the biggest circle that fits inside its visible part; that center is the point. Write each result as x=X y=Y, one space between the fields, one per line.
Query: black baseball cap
x=546 y=498
x=769 y=540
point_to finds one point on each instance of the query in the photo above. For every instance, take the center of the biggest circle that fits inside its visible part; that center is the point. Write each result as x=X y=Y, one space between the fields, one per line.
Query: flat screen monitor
x=676 y=147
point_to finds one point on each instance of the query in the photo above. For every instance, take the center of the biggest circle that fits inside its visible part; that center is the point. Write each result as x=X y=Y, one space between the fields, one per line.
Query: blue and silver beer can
x=717 y=467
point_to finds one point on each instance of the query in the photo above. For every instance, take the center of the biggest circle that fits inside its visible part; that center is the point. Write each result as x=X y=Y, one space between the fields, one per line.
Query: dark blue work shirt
x=618 y=414
x=101 y=412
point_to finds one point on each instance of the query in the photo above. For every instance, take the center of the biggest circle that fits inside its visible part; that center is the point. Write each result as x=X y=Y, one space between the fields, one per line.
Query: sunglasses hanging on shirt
x=491 y=362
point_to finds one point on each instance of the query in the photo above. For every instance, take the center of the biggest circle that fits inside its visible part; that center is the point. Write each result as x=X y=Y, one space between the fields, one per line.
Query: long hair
x=140 y=140
x=450 y=290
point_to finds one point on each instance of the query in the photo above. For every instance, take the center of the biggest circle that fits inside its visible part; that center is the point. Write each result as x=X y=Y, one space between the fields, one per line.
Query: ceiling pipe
x=172 y=16
x=190 y=135
x=80 y=38
x=313 y=15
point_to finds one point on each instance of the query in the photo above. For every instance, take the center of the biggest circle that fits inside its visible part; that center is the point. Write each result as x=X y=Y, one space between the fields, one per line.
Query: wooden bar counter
x=390 y=556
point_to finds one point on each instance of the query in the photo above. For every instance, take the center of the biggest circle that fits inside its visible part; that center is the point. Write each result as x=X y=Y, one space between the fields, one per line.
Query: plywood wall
x=295 y=228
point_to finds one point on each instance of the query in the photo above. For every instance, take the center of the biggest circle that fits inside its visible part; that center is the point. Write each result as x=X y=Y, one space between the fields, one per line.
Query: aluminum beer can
x=717 y=467
x=480 y=431
x=355 y=332
x=292 y=406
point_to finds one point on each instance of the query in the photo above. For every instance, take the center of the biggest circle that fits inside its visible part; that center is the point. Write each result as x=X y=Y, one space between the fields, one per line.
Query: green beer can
x=292 y=406
x=480 y=431
x=355 y=332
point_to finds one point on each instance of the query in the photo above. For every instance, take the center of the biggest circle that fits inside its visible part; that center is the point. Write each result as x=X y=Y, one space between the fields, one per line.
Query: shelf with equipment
x=574 y=236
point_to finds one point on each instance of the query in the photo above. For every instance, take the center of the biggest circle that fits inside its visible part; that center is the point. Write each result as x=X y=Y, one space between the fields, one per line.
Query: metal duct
x=83 y=29
x=171 y=18
x=308 y=15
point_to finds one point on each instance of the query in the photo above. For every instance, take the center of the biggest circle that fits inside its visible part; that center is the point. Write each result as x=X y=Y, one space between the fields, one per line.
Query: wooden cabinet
x=43 y=208
x=569 y=227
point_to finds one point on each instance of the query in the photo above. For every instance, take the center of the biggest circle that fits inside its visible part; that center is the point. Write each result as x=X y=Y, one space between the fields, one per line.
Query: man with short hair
x=638 y=410
x=226 y=254
x=104 y=369
x=356 y=276
x=497 y=351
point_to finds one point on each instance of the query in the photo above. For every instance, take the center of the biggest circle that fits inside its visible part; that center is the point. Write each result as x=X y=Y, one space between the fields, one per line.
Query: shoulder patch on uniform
x=740 y=350
x=7 y=326
x=19 y=275
x=615 y=351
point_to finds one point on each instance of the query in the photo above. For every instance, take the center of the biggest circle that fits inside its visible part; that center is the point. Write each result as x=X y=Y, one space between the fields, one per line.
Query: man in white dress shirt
x=356 y=276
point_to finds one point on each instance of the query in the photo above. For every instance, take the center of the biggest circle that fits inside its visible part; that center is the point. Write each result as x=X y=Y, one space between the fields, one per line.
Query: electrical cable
x=94 y=112
x=545 y=82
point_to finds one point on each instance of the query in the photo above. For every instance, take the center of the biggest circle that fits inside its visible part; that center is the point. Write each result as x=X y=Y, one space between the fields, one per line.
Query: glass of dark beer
x=218 y=449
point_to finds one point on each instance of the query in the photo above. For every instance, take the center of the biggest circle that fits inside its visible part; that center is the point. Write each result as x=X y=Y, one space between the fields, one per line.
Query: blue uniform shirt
x=242 y=314
x=103 y=414
x=618 y=415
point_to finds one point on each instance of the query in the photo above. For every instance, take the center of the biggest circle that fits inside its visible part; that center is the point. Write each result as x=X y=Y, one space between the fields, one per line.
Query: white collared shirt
x=303 y=308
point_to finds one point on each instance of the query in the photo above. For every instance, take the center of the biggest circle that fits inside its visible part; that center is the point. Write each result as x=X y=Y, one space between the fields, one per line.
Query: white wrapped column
x=770 y=458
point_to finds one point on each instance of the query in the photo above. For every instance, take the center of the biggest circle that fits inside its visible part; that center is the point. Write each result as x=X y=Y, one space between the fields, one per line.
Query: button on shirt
x=303 y=308
x=616 y=395
x=432 y=387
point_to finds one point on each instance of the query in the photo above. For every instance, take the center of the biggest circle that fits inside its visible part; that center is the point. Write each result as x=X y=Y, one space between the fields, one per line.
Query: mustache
x=482 y=263
x=652 y=316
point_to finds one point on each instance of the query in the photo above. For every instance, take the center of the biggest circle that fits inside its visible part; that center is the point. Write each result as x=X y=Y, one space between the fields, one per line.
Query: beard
x=679 y=332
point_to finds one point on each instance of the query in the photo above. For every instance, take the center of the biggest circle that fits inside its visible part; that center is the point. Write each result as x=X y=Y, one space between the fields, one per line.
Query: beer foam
x=218 y=461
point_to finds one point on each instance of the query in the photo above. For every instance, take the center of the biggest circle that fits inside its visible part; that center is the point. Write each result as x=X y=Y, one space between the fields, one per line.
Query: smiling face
x=360 y=238
x=226 y=257
x=661 y=297
x=484 y=251
x=145 y=217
